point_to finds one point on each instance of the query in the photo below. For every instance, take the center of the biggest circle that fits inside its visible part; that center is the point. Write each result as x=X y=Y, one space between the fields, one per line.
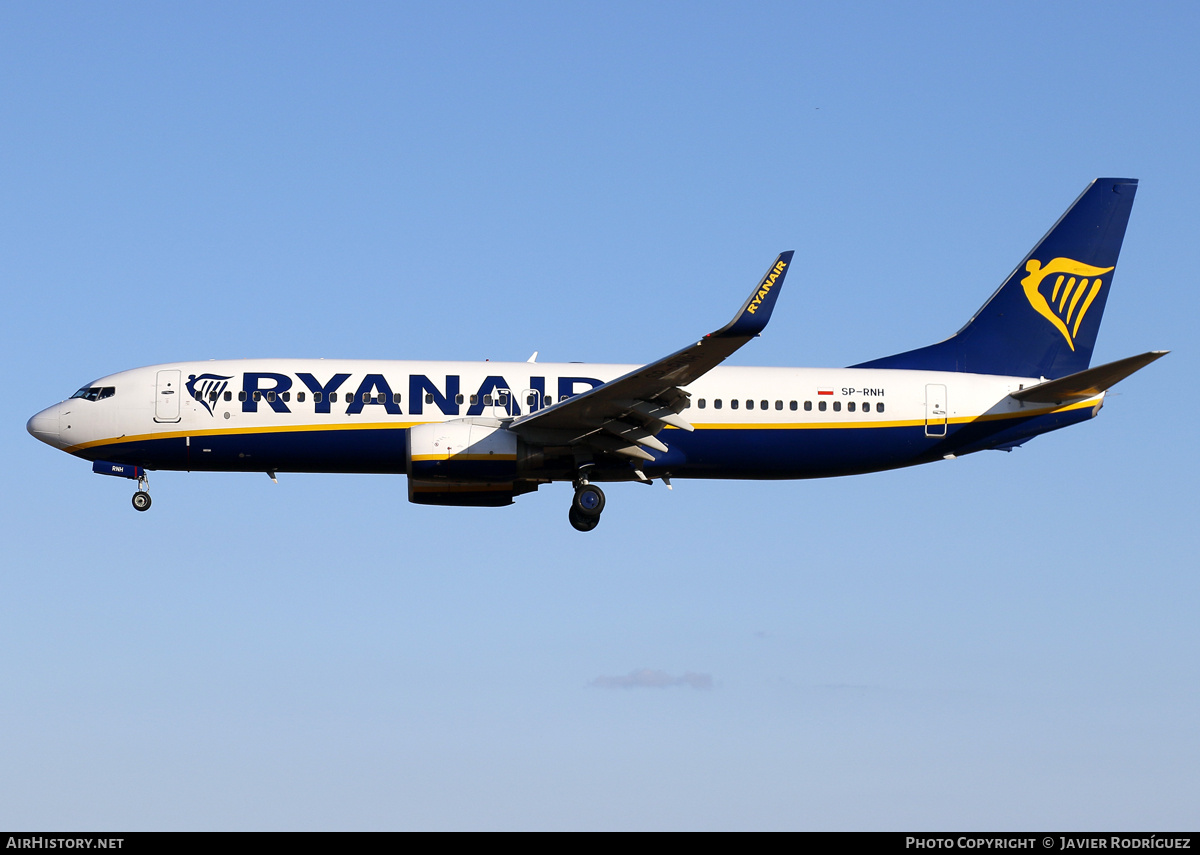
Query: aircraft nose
x=44 y=426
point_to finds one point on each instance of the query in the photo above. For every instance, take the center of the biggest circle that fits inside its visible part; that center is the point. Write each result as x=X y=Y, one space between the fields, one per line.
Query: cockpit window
x=95 y=393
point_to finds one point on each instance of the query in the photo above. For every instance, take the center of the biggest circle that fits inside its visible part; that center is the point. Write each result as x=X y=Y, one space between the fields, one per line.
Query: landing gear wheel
x=588 y=501
x=141 y=500
x=582 y=523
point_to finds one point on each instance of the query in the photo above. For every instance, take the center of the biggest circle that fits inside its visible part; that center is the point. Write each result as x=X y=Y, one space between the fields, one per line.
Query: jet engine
x=473 y=462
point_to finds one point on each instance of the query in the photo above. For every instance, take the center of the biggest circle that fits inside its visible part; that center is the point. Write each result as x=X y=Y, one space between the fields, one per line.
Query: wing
x=624 y=415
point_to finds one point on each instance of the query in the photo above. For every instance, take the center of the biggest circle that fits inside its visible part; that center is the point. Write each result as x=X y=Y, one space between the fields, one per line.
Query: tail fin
x=1043 y=320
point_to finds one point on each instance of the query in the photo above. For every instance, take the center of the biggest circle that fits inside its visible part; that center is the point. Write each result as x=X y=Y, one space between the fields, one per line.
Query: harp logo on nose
x=207 y=388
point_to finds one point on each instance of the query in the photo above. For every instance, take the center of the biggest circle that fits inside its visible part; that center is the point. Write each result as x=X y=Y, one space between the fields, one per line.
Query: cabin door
x=166 y=396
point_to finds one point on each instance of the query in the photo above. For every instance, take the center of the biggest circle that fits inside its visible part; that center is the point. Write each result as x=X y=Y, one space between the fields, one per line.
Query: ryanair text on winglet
x=765 y=287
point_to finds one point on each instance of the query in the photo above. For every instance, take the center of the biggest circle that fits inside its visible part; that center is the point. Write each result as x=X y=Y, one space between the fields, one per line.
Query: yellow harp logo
x=1075 y=287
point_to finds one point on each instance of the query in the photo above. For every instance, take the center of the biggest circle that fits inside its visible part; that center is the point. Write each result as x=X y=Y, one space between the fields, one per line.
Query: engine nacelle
x=462 y=450
x=470 y=462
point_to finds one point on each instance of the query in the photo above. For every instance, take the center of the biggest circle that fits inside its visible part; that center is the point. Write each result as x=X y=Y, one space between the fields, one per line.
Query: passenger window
x=428 y=397
x=850 y=407
x=287 y=396
x=366 y=397
x=733 y=405
x=530 y=400
x=381 y=398
x=502 y=400
x=766 y=405
x=212 y=396
x=548 y=400
x=229 y=395
x=821 y=406
x=396 y=398
x=779 y=405
x=562 y=398
x=701 y=403
x=299 y=397
x=487 y=400
x=317 y=396
x=271 y=397
x=474 y=400
x=257 y=395
x=807 y=406
x=717 y=404
x=242 y=395
x=749 y=405
x=879 y=406
x=837 y=406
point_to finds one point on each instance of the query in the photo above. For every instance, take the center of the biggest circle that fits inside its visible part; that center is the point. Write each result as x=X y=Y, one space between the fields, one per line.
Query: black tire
x=588 y=501
x=581 y=522
x=141 y=500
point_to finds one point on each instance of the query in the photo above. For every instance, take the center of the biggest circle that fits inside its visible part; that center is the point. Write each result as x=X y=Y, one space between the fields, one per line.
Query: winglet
x=752 y=318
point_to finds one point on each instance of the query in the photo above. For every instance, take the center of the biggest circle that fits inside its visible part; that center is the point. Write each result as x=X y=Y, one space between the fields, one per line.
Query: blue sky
x=1005 y=641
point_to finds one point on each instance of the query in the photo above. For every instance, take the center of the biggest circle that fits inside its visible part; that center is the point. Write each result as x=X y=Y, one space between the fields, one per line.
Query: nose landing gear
x=586 y=506
x=141 y=499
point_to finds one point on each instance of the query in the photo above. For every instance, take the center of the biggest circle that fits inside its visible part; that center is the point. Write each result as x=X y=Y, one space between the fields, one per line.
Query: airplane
x=481 y=434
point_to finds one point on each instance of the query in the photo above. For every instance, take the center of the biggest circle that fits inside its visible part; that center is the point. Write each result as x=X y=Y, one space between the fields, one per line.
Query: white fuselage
x=350 y=415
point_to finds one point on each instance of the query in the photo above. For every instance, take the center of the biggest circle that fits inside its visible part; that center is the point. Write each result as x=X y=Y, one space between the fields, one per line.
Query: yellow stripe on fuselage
x=846 y=424
x=457 y=457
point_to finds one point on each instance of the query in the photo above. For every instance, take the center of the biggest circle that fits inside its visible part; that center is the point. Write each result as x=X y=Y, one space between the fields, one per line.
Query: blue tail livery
x=483 y=433
x=1043 y=321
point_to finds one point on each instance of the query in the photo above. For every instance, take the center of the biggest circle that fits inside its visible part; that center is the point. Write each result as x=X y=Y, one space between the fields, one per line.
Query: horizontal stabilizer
x=1086 y=384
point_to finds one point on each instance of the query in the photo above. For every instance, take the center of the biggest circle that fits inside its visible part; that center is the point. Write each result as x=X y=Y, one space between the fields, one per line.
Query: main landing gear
x=586 y=506
x=141 y=499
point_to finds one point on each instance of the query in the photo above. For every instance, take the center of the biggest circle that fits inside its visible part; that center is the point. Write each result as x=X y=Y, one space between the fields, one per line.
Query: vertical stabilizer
x=1043 y=321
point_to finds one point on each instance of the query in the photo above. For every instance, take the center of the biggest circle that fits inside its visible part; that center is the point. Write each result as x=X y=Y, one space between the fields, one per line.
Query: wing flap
x=635 y=433
x=657 y=415
x=614 y=445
